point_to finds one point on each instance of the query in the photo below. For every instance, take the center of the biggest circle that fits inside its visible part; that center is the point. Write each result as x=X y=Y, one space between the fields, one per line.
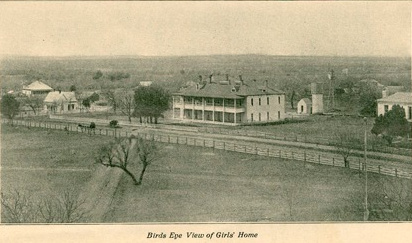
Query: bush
x=92 y=125
x=113 y=123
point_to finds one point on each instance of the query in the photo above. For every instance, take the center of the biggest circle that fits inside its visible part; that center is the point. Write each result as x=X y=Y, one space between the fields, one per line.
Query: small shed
x=304 y=106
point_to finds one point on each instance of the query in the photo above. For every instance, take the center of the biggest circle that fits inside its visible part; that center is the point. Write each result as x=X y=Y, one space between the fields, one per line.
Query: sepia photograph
x=243 y=116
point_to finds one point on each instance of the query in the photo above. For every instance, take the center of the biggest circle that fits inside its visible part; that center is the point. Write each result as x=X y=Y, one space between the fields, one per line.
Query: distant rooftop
x=228 y=89
x=60 y=97
x=400 y=97
x=37 y=85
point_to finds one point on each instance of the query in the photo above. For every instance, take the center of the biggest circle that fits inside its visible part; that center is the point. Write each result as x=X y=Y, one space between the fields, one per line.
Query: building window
x=251 y=117
x=267 y=114
x=267 y=100
x=279 y=115
x=260 y=118
x=386 y=108
x=251 y=101
x=279 y=99
x=260 y=103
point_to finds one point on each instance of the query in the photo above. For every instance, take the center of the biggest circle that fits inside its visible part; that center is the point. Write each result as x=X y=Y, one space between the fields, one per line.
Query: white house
x=304 y=106
x=229 y=102
x=404 y=99
x=36 y=88
x=60 y=102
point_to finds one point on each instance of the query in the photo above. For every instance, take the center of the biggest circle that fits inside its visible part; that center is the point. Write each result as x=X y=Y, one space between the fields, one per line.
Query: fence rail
x=305 y=156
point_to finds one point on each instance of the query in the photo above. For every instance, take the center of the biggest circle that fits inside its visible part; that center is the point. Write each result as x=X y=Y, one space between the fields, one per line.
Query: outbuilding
x=304 y=106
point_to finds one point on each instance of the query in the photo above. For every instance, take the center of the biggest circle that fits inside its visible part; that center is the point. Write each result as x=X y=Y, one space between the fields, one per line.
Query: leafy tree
x=98 y=75
x=73 y=88
x=86 y=103
x=150 y=102
x=393 y=123
x=9 y=106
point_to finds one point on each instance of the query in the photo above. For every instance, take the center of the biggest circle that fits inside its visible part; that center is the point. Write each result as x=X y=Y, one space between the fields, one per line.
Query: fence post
x=168 y=138
x=359 y=164
x=292 y=155
x=304 y=156
x=256 y=151
x=204 y=143
x=319 y=158
x=268 y=152
x=396 y=172
x=280 y=153
x=333 y=161
x=213 y=145
x=379 y=169
x=224 y=146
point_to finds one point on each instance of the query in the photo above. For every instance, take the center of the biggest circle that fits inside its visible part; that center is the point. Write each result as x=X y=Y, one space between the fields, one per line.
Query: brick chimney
x=241 y=79
x=210 y=78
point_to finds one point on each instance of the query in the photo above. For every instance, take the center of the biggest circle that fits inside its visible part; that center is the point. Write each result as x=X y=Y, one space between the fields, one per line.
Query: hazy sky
x=201 y=28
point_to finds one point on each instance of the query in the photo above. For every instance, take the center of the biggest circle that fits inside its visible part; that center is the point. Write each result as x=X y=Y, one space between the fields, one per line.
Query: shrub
x=92 y=125
x=113 y=123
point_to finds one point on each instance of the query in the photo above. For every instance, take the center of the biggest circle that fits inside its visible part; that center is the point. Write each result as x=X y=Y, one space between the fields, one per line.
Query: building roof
x=60 y=97
x=400 y=97
x=37 y=85
x=227 y=89
x=306 y=100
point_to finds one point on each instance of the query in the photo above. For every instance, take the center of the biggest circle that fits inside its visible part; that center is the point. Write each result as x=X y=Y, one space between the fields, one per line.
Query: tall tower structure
x=331 y=96
x=317 y=98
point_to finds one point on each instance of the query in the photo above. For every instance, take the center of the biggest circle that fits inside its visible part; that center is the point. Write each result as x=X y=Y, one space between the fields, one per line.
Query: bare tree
x=391 y=198
x=345 y=143
x=118 y=154
x=147 y=152
x=22 y=208
x=126 y=104
x=34 y=102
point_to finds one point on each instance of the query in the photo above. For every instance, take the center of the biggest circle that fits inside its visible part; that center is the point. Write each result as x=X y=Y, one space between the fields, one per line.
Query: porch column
x=173 y=108
x=193 y=108
x=203 y=108
x=182 y=110
x=223 y=110
x=234 y=114
x=213 y=113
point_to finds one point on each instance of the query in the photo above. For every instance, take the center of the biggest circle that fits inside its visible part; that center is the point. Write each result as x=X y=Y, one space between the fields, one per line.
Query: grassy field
x=41 y=162
x=201 y=185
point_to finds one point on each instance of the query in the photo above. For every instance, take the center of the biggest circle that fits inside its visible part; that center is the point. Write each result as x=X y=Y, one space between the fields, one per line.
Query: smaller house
x=60 y=102
x=36 y=88
x=403 y=99
x=304 y=106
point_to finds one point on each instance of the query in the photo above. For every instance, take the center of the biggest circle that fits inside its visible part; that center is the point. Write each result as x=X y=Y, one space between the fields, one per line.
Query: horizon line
x=194 y=55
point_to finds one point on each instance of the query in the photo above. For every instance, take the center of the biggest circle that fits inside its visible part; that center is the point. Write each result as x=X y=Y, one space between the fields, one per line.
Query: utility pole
x=366 y=213
x=331 y=97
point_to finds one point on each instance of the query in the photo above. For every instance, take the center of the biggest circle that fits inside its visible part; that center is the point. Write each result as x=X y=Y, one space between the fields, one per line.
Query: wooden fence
x=305 y=156
x=302 y=139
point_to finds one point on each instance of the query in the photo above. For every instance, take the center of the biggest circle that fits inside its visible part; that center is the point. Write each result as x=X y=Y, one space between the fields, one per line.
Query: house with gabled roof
x=403 y=99
x=229 y=102
x=60 y=102
x=36 y=88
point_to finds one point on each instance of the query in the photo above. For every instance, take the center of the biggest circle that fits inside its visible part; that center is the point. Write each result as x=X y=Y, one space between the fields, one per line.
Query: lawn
x=45 y=162
x=191 y=184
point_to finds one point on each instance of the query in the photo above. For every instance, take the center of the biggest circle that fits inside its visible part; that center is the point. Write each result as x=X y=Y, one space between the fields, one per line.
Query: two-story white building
x=403 y=99
x=229 y=102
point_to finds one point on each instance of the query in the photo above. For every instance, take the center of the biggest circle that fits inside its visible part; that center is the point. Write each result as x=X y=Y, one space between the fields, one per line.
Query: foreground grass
x=45 y=162
x=201 y=185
